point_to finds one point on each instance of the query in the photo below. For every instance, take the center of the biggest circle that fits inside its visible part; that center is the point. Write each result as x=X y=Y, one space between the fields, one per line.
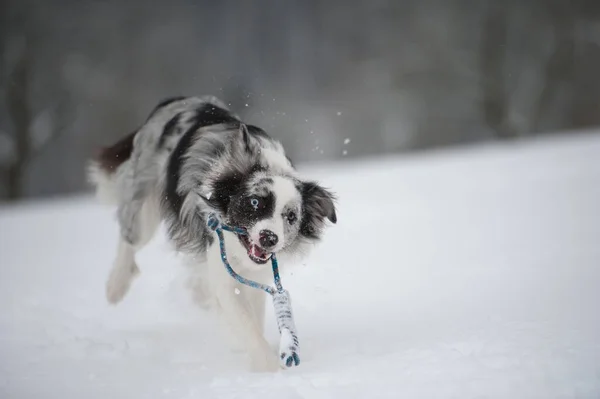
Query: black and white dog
x=191 y=157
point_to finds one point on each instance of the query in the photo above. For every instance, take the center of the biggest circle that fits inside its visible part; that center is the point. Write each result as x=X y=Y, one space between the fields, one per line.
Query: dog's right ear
x=210 y=202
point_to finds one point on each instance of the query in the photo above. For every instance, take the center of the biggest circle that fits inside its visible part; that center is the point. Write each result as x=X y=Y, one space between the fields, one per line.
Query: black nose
x=267 y=238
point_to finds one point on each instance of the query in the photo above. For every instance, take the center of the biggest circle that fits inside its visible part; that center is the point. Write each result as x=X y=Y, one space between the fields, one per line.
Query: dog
x=193 y=157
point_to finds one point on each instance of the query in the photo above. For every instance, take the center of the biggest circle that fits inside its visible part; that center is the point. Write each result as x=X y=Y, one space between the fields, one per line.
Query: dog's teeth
x=255 y=251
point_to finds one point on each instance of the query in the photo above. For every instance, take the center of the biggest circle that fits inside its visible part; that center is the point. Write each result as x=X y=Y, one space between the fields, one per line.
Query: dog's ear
x=246 y=141
x=222 y=192
x=212 y=204
x=318 y=204
x=319 y=201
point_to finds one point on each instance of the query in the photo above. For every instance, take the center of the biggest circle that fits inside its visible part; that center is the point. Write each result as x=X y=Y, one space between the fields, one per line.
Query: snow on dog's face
x=279 y=212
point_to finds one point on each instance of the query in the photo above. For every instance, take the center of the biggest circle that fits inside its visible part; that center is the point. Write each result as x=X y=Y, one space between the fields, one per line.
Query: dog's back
x=108 y=168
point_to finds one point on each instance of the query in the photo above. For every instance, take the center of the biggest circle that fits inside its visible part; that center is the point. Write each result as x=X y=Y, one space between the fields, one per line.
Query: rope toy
x=288 y=341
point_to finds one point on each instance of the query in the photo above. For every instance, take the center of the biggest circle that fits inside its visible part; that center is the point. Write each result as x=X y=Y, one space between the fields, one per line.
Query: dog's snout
x=268 y=239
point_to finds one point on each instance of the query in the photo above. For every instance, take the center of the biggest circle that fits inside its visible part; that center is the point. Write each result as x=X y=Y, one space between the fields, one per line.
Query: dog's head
x=279 y=211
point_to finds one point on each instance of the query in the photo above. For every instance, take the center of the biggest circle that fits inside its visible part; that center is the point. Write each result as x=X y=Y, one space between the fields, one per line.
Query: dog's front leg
x=242 y=319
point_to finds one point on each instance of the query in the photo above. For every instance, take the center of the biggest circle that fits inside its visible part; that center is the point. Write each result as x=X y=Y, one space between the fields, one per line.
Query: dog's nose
x=267 y=239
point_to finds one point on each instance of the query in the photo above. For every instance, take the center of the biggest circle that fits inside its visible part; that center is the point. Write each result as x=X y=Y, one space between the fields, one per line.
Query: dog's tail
x=104 y=167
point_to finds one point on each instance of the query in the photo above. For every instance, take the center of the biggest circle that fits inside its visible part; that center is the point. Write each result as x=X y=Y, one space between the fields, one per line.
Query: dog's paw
x=119 y=281
x=288 y=349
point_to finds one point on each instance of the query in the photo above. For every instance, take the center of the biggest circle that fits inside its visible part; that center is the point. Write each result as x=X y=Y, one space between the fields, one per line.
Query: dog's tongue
x=256 y=251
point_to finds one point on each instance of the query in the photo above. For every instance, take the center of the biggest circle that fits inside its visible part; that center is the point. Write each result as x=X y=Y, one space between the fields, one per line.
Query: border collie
x=191 y=157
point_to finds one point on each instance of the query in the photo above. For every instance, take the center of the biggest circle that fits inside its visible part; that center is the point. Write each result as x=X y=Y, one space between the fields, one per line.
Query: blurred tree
x=389 y=76
x=559 y=69
x=32 y=128
x=17 y=99
x=492 y=57
x=585 y=106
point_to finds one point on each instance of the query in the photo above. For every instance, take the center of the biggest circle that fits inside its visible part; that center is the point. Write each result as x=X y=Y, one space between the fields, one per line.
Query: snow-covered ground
x=471 y=273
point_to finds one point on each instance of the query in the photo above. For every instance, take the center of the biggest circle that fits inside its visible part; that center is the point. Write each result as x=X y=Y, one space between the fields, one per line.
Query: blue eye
x=254 y=203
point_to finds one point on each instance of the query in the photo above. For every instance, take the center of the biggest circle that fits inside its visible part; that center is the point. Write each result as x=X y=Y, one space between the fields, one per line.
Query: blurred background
x=333 y=80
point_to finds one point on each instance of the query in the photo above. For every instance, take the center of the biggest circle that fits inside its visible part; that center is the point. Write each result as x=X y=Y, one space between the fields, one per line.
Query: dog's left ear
x=318 y=201
x=247 y=143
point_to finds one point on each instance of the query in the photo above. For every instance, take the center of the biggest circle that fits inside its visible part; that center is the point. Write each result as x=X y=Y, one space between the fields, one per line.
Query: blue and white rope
x=288 y=343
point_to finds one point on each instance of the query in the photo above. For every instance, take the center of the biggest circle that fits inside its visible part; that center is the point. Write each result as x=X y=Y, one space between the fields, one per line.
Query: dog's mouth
x=255 y=253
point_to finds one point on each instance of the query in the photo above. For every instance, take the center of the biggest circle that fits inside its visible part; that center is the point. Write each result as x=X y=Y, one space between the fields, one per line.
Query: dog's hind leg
x=123 y=272
x=124 y=268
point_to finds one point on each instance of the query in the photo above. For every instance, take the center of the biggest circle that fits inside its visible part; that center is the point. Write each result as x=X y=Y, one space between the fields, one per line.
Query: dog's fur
x=193 y=156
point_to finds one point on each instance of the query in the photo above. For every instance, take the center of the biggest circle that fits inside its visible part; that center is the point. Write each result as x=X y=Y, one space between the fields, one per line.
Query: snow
x=470 y=273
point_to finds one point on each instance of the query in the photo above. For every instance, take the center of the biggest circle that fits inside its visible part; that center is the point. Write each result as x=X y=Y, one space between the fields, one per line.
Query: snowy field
x=471 y=273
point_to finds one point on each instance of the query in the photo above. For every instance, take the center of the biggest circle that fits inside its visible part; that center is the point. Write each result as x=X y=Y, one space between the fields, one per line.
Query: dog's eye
x=255 y=203
x=291 y=217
